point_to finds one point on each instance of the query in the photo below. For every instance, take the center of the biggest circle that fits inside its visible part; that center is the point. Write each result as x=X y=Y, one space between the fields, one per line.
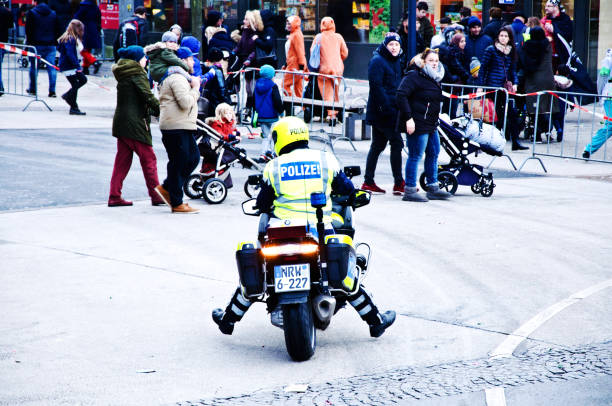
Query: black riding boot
x=362 y=302
x=233 y=313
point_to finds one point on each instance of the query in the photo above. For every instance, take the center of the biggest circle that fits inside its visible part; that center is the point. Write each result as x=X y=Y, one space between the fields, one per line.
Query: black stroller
x=459 y=171
x=218 y=155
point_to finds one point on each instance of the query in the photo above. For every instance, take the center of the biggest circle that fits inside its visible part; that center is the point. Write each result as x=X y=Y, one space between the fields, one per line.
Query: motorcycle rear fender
x=293 y=297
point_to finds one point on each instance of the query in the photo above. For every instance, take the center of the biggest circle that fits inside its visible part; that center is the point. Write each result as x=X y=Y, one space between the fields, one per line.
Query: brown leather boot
x=163 y=194
x=185 y=208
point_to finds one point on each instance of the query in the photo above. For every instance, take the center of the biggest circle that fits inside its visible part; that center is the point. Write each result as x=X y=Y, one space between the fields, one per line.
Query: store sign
x=110 y=15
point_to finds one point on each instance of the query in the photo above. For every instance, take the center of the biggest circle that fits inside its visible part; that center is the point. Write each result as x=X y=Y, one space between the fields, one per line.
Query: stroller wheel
x=448 y=182
x=251 y=190
x=24 y=62
x=193 y=186
x=214 y=191
x=476 y=187
x=487 y=190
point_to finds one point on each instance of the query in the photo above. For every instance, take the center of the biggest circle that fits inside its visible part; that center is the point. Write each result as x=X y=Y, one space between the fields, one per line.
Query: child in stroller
x=217 y=144
x=462 y=137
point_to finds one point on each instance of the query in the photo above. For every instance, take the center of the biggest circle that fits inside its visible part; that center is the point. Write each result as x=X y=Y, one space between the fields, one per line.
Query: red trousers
x=126 y=148
x=88 y=58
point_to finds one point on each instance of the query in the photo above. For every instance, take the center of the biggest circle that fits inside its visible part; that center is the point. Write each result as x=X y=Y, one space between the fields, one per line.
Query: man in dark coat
x=557 y=24
x=495 y=24
x=42 y=30
x=476 y=42
x=465 y=14
x=384 y=75
x=63 y=10
x=6 y=23
x=426 y=30
x=131 y=31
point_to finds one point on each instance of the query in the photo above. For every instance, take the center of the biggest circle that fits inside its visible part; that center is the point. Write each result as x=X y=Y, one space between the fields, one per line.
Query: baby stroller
x=458 y=138
x=220 y=155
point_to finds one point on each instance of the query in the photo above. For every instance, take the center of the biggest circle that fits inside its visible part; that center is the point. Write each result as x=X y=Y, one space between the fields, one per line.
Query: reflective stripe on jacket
x=294 y=176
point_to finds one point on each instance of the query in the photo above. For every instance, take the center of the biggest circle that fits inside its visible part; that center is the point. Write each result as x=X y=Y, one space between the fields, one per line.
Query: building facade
x=364 y=22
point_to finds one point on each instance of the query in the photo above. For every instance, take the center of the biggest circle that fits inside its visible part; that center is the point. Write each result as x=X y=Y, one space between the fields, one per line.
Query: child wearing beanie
x=268 y=108
x=162 y=55
x=474 y=69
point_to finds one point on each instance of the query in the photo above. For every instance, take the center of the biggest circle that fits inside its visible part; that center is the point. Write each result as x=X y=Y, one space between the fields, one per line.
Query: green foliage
x=380 y=16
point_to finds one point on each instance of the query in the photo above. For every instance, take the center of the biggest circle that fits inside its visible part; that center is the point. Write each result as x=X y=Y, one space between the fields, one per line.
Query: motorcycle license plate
x=291 y=278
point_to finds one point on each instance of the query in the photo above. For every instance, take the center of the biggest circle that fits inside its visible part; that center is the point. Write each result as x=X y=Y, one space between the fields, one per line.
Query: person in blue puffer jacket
x=498 y=67
x=269 y=107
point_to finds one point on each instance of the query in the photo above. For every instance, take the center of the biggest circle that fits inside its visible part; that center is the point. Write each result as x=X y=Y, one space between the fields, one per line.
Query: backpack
x=128 y=34
x=315 y=55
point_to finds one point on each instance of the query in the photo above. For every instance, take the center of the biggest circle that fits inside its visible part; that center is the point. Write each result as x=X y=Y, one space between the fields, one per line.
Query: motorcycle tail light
x=278 y=233
x=289 y=249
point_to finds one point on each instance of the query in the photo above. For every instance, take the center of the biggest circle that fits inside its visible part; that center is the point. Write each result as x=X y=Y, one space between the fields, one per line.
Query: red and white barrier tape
x=14 y=50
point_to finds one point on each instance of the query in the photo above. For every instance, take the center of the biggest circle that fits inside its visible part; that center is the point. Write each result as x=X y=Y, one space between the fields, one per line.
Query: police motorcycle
x=303 y=271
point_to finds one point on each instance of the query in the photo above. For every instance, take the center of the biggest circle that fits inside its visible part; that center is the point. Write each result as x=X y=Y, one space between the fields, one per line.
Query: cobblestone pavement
x=539 y=364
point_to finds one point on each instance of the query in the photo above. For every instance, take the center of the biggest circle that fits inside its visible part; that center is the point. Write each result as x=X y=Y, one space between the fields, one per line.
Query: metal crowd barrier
x=577 y=112
x=306 y=107
x=15 y=71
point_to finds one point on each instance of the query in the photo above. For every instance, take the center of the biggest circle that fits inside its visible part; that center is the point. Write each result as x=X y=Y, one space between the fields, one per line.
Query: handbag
x=508 y=85
x=314 y=61
x=265 y=58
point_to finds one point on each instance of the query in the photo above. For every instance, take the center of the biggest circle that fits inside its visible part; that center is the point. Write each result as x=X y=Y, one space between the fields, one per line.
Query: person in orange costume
x=296 y=56
x=333 y=53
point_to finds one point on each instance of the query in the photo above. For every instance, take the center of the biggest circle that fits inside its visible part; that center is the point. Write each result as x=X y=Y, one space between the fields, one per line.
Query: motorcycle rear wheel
x=300 y=333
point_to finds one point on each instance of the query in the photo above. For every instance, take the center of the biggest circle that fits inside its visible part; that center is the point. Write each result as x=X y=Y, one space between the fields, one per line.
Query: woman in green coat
x=132 y=124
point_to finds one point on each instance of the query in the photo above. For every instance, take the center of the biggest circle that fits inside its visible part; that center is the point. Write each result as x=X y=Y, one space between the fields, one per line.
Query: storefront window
x=165 y=13
x=359 y=20
x=229 y=8
x=305 y=9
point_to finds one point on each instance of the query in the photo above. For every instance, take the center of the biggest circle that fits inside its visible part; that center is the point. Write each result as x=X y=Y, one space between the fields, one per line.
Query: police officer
x=289 y=180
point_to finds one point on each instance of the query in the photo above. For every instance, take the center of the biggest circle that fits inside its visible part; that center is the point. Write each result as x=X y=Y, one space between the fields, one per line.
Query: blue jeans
x=46 y=52
x=417 y=145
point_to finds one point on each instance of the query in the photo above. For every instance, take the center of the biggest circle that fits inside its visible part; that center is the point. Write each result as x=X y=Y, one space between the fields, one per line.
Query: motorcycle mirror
x=248 y=207
x=362 y=198
x=255 y=179
x=318 y=200
x=352 y=171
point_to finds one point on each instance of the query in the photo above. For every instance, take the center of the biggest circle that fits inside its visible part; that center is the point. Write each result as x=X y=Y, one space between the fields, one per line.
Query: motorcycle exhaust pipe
x=324 y=306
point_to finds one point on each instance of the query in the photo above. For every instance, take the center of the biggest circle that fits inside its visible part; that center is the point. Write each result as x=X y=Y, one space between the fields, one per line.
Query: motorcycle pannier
x=248 y=259
x=341 y=262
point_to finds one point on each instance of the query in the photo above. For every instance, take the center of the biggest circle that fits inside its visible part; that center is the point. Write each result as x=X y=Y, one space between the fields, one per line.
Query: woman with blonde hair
x=68 y=45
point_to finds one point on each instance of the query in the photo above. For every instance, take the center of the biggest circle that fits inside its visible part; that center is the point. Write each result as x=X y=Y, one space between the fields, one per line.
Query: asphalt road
x=112 y=306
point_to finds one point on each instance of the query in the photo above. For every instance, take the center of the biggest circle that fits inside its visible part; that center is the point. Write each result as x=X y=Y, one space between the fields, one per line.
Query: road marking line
x=507 y=347
x=496 y=396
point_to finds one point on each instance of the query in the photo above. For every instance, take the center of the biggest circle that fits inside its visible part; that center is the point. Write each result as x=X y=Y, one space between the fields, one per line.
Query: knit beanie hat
x=213 y=18
x=133 y=52
x=558 y=4
x=169 y=36
x=391 y=36
x=215 y=54
x=267 y=72
x=474 y=65
x=473 y=21
x=184 y=53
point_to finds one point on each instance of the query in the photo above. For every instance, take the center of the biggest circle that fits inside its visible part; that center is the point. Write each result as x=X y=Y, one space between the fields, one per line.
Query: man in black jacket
x=558 y=25
x=63 y=11
x=42 y=30
x=384 y=76
x=426 y=30
x=496 y=23
x=132 y=31
x=266 y=41
x=6 y=23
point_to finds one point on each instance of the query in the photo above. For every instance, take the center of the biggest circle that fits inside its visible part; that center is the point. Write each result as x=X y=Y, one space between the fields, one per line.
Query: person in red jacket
x=296 y=57
x=224 y=123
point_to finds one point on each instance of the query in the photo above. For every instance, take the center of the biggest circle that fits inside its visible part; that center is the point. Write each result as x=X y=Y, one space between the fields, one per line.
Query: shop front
x=363 y=23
